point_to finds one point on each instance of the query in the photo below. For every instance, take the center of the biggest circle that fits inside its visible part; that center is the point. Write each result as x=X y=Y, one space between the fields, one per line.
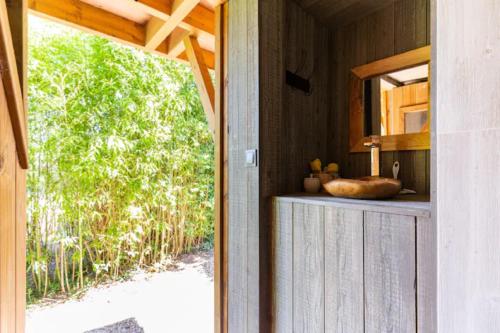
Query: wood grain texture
x=390 y=276
x=243 y=118
x=283 y=263
x=8 y=164
x=467 y=227
x=426 y=276
x=343 y=271
x=337 y=13
x=83 y=16
x=157 y=30
x=20 y=271
x=202 y=78
x=365 y=40
x=221 y=176
x=12 y=83
x=293 y=40
x=308 y=269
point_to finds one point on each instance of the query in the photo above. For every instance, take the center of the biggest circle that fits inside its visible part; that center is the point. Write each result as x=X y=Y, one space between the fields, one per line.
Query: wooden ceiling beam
x=175 y=42
x=157 y=30
x=202 y=78
x=83 y=16
x=200 y=18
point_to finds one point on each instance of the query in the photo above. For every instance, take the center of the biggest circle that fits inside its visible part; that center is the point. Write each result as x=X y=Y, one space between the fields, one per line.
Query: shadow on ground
x=126 y=326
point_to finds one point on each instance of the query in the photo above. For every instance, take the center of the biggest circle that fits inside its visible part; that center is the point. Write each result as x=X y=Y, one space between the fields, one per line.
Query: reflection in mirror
x=398 y=102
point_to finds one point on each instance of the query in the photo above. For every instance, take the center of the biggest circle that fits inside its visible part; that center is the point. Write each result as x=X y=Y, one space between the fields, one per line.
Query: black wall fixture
x=298 y=82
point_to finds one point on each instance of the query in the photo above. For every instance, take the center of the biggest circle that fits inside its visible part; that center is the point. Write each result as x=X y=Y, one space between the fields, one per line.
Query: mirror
x=398 y=102
x=390 y=98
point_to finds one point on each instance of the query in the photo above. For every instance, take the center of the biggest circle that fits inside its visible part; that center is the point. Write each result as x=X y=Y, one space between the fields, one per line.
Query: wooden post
x=13 y=161
x=221 y=171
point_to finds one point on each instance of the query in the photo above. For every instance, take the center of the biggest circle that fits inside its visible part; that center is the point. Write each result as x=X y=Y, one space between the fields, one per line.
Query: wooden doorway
x=13 y=142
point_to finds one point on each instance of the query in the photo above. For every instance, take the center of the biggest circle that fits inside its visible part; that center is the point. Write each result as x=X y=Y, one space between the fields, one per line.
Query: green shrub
x=122 y=171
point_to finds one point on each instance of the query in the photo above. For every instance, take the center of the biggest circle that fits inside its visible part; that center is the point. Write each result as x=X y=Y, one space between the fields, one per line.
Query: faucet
x=374 y=145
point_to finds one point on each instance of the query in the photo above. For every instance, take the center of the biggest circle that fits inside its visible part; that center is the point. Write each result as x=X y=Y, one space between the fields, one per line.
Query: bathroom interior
x=356 y=86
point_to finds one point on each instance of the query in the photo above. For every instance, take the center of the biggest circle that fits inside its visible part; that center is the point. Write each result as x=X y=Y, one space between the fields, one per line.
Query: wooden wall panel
x=399 y=27
x=390 y=273
x=308 y=268
x=292 y=125
x=344 y=292
x=243 y=118
x=283 y=278
x=8 y=164
x=466 y=205
x=426 y=276
x=13 y=191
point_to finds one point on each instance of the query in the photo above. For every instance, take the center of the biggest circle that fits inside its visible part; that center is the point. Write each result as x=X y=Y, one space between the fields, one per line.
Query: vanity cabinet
x=353 y=266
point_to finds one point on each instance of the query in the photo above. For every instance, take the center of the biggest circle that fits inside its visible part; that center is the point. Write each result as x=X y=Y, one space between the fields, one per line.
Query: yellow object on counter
x=333 y=168
x=316 y=165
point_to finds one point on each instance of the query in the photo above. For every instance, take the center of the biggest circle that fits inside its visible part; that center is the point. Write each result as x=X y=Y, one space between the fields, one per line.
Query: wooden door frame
x=13 y=164
x=221 y=170
x=18 y=23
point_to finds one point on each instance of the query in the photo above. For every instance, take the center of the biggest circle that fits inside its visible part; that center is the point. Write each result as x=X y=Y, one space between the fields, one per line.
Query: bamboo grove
x=122 y=168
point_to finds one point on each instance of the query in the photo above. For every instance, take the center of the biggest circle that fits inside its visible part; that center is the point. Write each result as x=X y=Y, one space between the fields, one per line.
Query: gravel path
x=179 y=300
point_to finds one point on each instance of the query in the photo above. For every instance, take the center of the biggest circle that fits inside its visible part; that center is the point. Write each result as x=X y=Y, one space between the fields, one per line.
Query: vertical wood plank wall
x=389 y=266
x=293 y=128
x=290 y=128
x=400 y=27
x=466 y=206
x=243 y=122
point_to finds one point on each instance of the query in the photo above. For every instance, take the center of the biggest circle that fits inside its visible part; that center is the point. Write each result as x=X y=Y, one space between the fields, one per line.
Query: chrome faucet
x=374 y=145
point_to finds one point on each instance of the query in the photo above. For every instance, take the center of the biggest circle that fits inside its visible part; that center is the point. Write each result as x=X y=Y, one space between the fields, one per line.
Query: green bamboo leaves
x=122 y=161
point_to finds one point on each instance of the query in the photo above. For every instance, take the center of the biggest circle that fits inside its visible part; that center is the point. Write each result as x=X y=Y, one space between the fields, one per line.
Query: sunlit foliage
x=122 y=170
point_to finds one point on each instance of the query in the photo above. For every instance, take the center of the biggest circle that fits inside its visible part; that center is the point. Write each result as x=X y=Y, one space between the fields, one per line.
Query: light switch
x=251 y=158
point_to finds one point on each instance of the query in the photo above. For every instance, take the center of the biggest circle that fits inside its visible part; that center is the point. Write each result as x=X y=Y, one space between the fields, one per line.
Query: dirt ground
x=178 y=300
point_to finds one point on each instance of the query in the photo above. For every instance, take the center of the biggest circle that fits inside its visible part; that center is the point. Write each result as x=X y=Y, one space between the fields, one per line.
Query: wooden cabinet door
x=389 y=273
x=308 y=269
x=343 y=270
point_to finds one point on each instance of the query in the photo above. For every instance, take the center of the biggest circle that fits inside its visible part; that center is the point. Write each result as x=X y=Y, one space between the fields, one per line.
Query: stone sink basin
x=364 y=188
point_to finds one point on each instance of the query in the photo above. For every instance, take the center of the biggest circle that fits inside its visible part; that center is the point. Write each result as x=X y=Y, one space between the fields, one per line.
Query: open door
x=13 y=165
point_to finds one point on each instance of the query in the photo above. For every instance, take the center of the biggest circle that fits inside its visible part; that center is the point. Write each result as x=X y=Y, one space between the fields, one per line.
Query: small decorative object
x=395 y=169
x=316 y=166
x=333 y=168
x=312 y=184
x=325 y=178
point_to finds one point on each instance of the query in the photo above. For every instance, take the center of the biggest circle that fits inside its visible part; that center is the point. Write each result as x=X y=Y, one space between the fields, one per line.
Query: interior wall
x=293 y=126
x=243 y=182
x=466 y=205
x=397 y=28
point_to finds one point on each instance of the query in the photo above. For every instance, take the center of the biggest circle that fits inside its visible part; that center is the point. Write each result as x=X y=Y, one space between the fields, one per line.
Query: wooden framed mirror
x=391 y=98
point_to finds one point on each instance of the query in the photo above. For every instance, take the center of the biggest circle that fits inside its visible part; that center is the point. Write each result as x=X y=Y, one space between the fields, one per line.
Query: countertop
x=413 y=205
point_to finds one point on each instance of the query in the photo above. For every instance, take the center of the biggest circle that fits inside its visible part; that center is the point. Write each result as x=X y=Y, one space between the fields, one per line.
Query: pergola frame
x=182 y=30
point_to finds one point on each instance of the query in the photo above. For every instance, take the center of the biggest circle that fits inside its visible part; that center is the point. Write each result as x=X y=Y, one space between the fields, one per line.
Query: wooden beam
x=11 y=82
x=175 y=42
x=83 y=16
x=157 y=30
x=200 y=18
x=207 y=55
x=202 y=78
x=221 y=171
x=394 y=63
